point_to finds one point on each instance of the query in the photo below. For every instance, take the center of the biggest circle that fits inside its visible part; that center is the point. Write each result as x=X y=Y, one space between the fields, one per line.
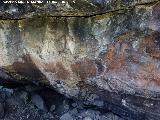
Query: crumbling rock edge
x=75 y=12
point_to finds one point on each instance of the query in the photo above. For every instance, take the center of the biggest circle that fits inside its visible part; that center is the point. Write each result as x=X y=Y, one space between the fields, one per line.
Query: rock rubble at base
x=15 y=107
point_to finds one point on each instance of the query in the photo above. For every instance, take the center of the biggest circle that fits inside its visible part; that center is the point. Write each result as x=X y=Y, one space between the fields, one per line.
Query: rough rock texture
x=18 y=104
x=27 y=8
x=109 y=60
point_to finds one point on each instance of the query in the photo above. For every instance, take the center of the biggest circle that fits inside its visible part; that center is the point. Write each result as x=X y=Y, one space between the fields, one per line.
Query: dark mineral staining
x=99 y=66
x=152 y=44
x=26 y=69
x=81 y=29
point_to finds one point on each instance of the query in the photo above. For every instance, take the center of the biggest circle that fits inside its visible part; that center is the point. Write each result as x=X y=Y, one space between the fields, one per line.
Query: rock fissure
x=12 y=16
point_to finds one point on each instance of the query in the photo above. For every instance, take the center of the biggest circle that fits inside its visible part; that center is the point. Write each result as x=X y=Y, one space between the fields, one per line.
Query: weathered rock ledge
x=108 y=60
x=66 y=8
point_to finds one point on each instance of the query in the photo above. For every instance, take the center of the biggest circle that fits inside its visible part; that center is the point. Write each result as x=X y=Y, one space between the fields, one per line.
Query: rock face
x=110 y=60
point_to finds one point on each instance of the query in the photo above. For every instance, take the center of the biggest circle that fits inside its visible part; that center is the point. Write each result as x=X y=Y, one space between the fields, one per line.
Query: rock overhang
x=14 y=9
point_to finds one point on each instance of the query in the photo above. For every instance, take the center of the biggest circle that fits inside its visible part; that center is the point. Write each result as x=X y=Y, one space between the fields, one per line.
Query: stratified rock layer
x=14 y=9
x=110 y=60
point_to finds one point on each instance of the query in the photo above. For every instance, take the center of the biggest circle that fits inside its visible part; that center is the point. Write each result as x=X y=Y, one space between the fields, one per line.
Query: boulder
x=109 y=59
x=38 y=102
x=66 y=116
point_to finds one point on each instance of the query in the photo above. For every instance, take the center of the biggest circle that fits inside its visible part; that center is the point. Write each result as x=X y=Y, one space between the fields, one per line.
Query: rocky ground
x=37 y=103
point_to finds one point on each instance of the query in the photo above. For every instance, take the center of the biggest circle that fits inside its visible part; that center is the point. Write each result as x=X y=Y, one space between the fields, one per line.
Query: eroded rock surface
x=14 y=9
x=110 y=60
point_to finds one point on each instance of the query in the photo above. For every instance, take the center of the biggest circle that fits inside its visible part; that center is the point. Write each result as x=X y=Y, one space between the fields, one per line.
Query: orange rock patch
x=59 y=69
x=62 y=73
x=84 y=69
x=114 y=58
